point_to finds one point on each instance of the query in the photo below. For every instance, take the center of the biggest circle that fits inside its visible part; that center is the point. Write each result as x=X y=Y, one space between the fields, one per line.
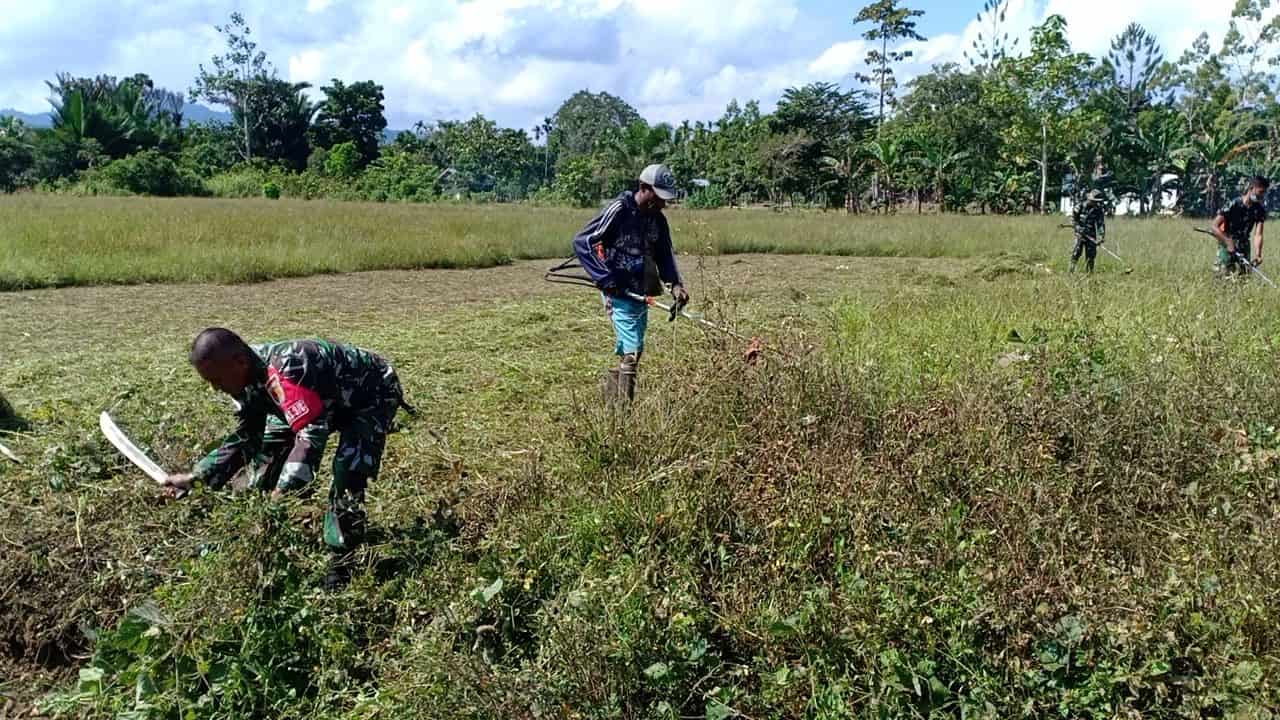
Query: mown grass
x=54 y=241
x=979 y=488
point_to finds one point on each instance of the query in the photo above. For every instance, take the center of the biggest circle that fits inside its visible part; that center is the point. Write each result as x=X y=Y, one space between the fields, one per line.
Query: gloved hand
x=681 y=297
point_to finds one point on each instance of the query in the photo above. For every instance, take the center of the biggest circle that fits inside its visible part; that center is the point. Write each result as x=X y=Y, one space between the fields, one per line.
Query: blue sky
x=516 y=60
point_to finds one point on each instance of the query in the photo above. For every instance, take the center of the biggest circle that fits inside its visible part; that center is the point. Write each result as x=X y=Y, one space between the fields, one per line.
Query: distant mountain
x=197 y=113
x=192 y=113
x=41 y=120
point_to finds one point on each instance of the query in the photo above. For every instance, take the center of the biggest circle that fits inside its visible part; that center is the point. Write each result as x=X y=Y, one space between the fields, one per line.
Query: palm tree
x=939 y=159
x=887 y=156
x=1213 y=150
x=845 y=170
x=1160 y=147
x=636 y=146
x=121 y=117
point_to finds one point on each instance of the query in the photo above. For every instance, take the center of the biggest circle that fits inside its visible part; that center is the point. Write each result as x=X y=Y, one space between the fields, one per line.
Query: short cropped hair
x=217 y=343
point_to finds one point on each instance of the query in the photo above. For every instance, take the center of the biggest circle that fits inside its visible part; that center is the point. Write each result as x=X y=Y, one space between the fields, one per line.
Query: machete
x=9 y=454
x=129 y=450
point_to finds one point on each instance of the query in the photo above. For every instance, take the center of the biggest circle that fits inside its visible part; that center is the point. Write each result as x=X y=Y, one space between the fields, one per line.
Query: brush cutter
x=563 y=274
x=1105 y=249
x=1239 y=257
x=677 y=309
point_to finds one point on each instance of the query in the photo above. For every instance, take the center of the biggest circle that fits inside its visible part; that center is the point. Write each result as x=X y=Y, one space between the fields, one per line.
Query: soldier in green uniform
x=1089 y=221
x=1238 y=228
x=292 y=396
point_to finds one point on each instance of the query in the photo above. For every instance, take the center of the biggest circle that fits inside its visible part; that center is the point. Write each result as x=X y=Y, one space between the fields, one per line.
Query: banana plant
x=1212 y=151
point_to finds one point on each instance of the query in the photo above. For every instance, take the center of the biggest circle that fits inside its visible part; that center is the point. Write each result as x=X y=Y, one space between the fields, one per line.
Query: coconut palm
x=625 y=153
x=119 y=117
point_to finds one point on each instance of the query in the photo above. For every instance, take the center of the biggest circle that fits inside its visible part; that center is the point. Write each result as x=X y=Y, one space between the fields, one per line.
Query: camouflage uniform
x=304 y=391
x=1089 y=221
x=1241 y=219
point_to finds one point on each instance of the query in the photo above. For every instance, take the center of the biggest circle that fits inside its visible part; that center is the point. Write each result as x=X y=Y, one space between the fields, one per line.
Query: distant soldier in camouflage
x=1089 y=221
x=1239 y=225
x=291 y=397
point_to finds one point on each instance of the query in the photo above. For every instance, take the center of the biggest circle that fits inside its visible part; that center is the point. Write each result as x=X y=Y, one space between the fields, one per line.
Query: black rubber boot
x=628 y=370
x=339 y=573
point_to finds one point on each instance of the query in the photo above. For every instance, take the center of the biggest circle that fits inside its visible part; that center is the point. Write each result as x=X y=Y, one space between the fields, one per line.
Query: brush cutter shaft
x=687 y=316
x=1252 y=268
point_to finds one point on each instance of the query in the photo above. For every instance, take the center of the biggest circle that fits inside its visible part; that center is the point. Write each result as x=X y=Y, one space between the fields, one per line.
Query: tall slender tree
x=1133 y=64
x=890 y=22
x=236 y=81
x=992 y=43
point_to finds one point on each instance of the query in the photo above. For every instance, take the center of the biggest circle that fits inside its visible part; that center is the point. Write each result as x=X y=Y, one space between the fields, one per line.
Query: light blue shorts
x=630 y=320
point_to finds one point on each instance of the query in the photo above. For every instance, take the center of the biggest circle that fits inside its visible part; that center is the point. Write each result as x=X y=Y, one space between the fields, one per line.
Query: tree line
x=1009 y=130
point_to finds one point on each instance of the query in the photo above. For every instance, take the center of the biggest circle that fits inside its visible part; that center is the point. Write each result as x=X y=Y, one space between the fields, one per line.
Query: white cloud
x=664 y=85
x=839 y=60
x=305 y=66
x=515 y=60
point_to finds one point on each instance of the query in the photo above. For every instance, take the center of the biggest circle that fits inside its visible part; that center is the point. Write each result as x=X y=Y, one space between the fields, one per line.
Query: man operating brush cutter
x=292 y=396
x=626 y=251
x=1089 y=221
x=1238 y=228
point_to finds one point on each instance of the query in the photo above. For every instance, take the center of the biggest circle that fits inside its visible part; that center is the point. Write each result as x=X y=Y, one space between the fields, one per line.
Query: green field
x=55 y=241
x=969 y=485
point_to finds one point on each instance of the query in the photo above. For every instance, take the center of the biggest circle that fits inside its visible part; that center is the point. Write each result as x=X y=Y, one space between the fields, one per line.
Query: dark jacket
x=1241 y=219
x=616 y=245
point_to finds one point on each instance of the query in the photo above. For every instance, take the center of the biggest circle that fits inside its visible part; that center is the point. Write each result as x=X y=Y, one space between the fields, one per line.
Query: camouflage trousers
x=1090 y=251
x=1231 y=265
x=289 y=461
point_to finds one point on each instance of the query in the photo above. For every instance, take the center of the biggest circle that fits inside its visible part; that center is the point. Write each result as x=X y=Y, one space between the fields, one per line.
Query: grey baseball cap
x=659 y=178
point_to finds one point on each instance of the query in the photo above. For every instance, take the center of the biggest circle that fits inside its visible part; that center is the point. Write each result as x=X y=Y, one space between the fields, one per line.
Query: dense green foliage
x=1016 y=129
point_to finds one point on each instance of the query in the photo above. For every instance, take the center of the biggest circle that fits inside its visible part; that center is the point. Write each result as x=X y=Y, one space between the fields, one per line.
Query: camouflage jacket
x=1241 y=219
x=303 y=383
x=1089 y=221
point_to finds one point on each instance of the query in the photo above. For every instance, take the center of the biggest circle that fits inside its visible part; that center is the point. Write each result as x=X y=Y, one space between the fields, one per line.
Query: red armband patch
x=301 y=405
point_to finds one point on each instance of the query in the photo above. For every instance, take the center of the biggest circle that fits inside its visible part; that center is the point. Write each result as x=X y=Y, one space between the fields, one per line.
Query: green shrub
x=712 y=196
x=400 y=176
x=317 y=159
x=343 y=160
x=16 y=159
x=576 y=183
x=149 y=172
x=270 y=190
x=242 y=181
